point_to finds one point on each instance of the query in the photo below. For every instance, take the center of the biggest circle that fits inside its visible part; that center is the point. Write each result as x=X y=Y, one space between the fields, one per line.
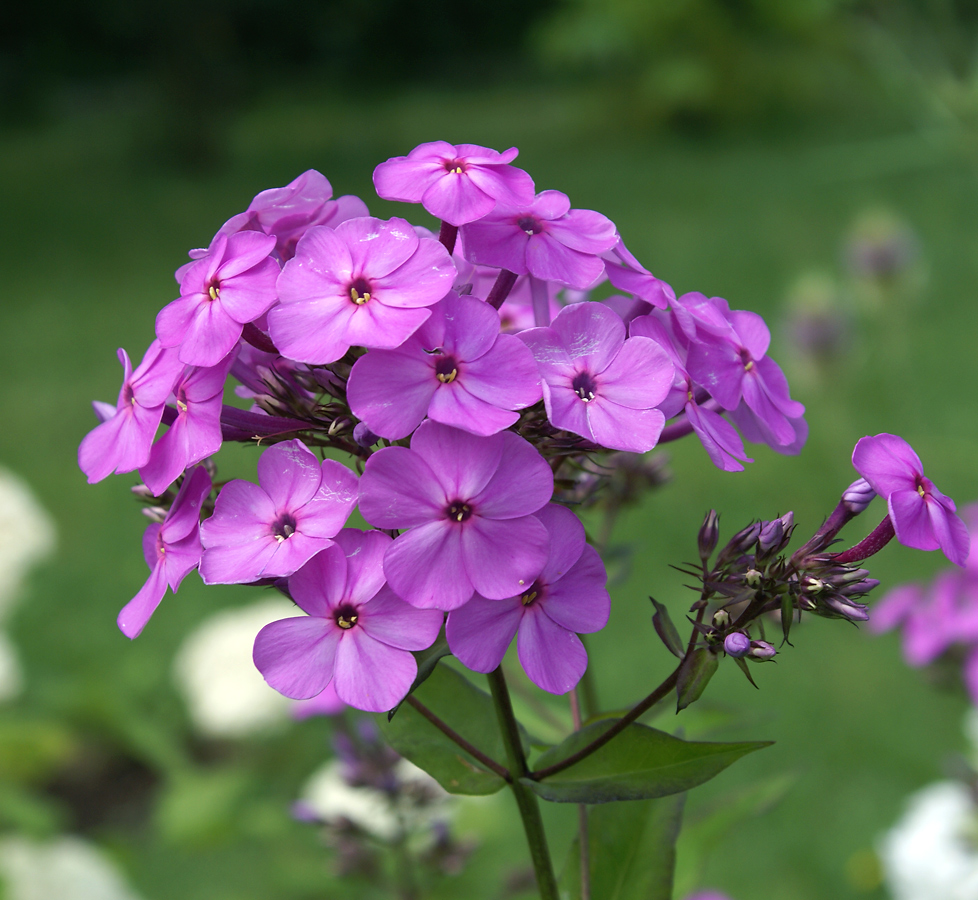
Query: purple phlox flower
x=598 y=384
x=122 y=441
x=516 y=313
x=922 y=516
x=732 y=366
x=468 y=504
x=172 y=550
x=195 y=432
x=566 y=599
x=546 y=238
x=695 y=314
x=289 y=212
x=220 y=293
x=719 y=438
x=627 y=274
x=458 y=184
x=356 y=633
x=456 y=369
x=270 y=529
x=364 y=284
x=757 y=430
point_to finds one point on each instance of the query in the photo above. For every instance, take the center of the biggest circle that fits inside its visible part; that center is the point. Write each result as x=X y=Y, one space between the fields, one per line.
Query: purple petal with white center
x=462 y=463
x=424 y=567
x=479 y=632
x=365 y=563
x=320 y=585
x=567 y=540
x=452 y=404
x=592 y=333
x=521 y=484
x=579 y=601
x=137 y=612
x=377 y=248
x=620 y=428
x=887 y=462
x=503 y=557
x=552 y=657
x=640 y=376
x=908 y=511
x=549 y=260
x=390 y=390
x=297 y=656
x=389 y=619
x=399 y=490
x=371 y=675
x=422 y=280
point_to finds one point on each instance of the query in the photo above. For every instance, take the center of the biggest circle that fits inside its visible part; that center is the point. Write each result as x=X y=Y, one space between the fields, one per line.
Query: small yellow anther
x=449 y=378
x=921 y=491
x=359 y=298
x=749 y=366
x=346 y=622
x=214 y=292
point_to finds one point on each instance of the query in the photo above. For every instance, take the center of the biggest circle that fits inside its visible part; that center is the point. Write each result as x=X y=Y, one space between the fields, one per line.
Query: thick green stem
x=526 y=800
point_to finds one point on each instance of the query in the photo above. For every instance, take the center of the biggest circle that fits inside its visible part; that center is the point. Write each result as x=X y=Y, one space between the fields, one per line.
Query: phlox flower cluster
x=446 y=387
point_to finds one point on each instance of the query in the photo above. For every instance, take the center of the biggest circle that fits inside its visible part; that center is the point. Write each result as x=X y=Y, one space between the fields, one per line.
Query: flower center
x=214 y=291
x=530 y=224
x=532 y=595
x=459 y=511
x=446 y=369
x=455 y=166
x=584 y=386
x=346 y=616
x=284 y=527
x=745 y=358
x=360 y=291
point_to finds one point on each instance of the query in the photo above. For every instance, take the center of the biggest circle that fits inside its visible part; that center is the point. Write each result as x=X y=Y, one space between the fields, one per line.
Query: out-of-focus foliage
x=682 y=62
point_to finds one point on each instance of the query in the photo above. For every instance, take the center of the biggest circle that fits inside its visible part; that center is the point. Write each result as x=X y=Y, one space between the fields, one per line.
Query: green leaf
x=427 y=660
x=467 y=710
x=632 y=851
x=742 y=665
x=641 y=763
x=666 y=630
x=694 y=676
x=787 y=614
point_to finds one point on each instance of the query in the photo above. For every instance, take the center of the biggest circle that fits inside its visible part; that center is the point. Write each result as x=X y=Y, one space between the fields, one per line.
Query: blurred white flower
x=66 y=868
x=225 y=693
x=418 y=802
x=931 y=853
x=26 y=536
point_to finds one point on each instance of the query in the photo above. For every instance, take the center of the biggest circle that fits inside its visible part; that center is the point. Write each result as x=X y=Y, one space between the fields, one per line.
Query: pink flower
x=172 y=551
x=922 y=516
x=357 y=634
x=271 y=529
x=567 y=598
x=458 y=184
x=364 y=284
x=232 y=285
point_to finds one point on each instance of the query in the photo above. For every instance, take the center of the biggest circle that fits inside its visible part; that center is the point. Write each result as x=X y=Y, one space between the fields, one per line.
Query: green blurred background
x=753 y=149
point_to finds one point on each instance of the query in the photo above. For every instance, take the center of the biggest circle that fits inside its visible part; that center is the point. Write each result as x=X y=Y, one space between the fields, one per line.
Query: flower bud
x=737 y=644
x=721 y=619
x=739 y=544
x=858 y=496
x=761 y=650
x=708 y=535
x=849 y=609
x=364 y=436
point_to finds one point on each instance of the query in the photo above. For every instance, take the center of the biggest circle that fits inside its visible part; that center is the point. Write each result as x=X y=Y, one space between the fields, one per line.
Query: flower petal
x=479 y=632
x=553 y=657
x=297 y=656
